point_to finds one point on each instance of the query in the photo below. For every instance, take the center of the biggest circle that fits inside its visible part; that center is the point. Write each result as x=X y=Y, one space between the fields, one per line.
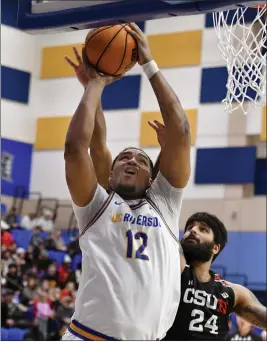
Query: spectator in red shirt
x=69 y=291
x=6 y=239
x=64 y=270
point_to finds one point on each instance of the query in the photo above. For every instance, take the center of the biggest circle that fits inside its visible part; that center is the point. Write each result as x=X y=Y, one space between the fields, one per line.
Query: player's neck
x=202 y=270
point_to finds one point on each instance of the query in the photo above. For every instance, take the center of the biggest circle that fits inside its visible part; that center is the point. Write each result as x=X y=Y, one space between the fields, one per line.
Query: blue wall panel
x=9 y=12
x=141 y=24
x=245 y=253
x=213 y=84
x=122 y=94
x=16 y=159
x=261 y=177
x=15 y=84
x=229 y=165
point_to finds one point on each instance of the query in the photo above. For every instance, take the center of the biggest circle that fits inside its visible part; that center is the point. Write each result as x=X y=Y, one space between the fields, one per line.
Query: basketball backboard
x=44 y=15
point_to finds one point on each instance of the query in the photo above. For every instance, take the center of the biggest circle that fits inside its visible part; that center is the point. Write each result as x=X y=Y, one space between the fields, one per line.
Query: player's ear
x=216 y=248
x=110 y=178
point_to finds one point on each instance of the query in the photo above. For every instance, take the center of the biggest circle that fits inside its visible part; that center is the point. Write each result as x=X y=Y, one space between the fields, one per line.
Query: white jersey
x=130 y=283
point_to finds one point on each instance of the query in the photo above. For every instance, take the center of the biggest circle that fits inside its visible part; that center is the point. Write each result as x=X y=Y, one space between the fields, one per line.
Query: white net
x=243 y=46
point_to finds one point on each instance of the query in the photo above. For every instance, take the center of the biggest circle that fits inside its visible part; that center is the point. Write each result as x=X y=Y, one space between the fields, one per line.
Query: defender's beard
x=201 y=252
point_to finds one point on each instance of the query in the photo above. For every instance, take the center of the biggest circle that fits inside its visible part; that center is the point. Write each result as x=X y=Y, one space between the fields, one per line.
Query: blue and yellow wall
x=228 y=153
x=17 y=118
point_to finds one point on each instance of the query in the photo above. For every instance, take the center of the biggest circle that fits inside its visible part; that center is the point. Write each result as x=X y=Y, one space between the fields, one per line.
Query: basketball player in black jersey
x=206 y=300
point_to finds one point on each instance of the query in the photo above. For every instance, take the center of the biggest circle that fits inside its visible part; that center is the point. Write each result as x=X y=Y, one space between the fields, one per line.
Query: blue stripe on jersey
x=164 y=221
x=88 y=334
x=98 y=214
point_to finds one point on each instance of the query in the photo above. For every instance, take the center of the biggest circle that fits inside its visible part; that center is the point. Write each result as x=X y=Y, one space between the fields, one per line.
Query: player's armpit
x=80 y=175
x=248 y=307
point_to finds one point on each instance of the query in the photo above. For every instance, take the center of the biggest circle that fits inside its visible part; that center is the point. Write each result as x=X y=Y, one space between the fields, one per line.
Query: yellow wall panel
x=176 y=49
x=263 y=124
x=148 y=137
x=53 y=61
x=51 y=133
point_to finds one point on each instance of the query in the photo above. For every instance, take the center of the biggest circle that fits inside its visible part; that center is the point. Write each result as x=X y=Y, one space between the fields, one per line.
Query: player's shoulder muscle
x=87 y=214
x=165 y=195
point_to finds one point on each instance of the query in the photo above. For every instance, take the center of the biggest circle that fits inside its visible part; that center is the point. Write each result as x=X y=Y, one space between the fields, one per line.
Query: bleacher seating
x=76 y=261
x=57 y=256
x=13 y=334
x=22 y=237
x=3 y=208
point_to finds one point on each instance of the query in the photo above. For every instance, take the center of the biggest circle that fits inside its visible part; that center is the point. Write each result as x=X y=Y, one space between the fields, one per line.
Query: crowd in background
x=37 y=293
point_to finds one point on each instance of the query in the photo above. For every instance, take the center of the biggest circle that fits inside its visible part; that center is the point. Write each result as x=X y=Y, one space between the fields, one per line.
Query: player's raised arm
x=248 y=307
x=175 y=155
x=99 y=152
x=80 y=173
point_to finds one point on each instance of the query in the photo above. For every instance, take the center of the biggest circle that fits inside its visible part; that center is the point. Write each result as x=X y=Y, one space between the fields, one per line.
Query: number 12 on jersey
x=137 y=236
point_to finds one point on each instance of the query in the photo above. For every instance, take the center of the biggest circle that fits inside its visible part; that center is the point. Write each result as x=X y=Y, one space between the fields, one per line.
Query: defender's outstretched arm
x=248 y=307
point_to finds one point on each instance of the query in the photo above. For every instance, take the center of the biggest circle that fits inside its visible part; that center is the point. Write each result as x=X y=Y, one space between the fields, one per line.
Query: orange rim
x=258 y=6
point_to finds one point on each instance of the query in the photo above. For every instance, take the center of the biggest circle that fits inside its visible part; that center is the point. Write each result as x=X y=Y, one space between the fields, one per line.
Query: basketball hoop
x=243 y=47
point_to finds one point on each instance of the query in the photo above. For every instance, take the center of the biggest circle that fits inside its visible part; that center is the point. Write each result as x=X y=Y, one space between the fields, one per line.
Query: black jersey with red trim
x=203 y=310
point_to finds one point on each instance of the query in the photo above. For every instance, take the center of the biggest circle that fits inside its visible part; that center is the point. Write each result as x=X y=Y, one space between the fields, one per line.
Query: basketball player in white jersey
x=129 y=288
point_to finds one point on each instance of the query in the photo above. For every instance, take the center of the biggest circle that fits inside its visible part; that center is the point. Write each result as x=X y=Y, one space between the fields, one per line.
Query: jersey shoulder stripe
x=218 y=279
x=154 y=206
x=98 y=213
x=138 y=205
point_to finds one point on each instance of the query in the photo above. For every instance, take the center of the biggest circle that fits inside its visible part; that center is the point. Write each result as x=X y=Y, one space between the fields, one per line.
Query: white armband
x=150 y=69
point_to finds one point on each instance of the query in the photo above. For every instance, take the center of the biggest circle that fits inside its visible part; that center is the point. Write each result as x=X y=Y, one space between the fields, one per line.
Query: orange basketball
x=111 y=49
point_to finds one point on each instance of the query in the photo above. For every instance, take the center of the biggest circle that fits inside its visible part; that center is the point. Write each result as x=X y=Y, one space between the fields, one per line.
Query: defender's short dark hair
x=134 y=148
x=218 y=228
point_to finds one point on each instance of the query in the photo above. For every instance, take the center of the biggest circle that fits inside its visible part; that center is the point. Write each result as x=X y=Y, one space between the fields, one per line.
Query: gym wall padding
x=172 y=50
x=148 y=137
x=16 y=159
x=229 y=165
x=51 y=133
x=15 y=84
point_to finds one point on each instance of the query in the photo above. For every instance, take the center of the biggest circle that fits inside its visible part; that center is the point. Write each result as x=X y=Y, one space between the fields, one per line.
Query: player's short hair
x=134 y=148
x=218 y=228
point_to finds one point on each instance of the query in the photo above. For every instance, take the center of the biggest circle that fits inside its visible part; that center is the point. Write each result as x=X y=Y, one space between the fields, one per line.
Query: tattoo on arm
x=184 y=121
x=255 y=313
x=170 y=105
